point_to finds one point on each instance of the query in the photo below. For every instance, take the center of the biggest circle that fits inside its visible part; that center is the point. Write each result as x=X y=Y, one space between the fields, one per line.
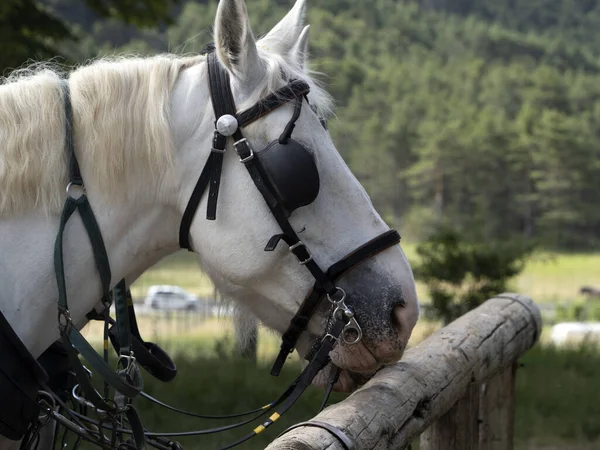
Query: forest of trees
x=483 y=115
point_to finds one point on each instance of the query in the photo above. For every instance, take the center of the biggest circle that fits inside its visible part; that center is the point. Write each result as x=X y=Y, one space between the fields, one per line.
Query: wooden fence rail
x=456 y=387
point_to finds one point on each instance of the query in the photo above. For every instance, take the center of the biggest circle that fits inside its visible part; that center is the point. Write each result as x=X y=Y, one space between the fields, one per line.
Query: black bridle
x=325 y=281
x=117 y=418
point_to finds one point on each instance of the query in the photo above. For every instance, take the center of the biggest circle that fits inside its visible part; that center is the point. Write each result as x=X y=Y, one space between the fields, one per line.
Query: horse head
x=332 y=214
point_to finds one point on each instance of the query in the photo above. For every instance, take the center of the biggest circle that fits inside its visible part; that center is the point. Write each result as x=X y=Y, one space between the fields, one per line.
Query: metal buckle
x=130 y=360
x=329 y=336
x=79 y=398
x=218 y=150
x=301 y=244
x=250 y=156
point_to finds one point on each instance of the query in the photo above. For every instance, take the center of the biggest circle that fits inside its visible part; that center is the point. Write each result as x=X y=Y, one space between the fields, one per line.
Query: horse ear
x=284 y=35
x=299 y=52
x=234 y=41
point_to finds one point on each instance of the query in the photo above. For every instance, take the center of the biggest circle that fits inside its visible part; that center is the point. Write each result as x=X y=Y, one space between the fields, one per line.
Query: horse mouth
x=347 y=380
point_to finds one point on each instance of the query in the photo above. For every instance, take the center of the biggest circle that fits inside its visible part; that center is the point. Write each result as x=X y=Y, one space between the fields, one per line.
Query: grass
x=558 y=402
x=548 y=277
x=557 y=277
x=557 y=407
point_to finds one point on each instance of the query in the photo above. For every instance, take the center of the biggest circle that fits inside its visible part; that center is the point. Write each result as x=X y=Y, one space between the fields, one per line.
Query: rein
x=118 y=425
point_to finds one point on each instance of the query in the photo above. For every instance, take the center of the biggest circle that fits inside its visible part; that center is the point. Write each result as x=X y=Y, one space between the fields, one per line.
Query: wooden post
x=497 y=411
x=402 y=401
x=458 y=429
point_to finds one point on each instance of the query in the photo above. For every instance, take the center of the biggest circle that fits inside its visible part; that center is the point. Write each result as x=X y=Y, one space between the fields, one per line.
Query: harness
x=285 y=174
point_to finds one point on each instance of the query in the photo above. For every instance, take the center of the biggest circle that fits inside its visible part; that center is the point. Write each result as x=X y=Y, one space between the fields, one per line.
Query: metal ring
x=341 y=300
x=75 y=190
x=354 y=327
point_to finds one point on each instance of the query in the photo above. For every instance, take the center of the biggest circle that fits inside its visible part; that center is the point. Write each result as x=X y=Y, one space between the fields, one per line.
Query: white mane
x=121 y=125
x=121 y=114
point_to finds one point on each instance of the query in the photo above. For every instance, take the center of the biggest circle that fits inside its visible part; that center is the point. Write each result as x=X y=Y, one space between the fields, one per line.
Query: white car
x=170 y=298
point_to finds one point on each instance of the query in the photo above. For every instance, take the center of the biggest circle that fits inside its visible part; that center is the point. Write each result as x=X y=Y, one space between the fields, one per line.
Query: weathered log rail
x=456 y=388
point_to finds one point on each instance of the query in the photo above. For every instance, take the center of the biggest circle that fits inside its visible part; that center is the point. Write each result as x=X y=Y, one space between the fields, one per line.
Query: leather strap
x=149 y=355
x=294 y=90
x=194 y=201
x=74 y=171
x=222 y=101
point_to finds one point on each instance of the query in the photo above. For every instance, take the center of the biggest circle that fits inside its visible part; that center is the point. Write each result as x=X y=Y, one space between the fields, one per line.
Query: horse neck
x=135 y=236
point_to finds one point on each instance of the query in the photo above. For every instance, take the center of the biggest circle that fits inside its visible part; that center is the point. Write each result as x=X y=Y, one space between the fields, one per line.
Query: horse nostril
x=397 y=312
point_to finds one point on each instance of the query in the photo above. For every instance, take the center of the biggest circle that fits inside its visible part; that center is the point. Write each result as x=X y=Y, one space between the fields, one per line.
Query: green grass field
x=547 y=278
x=557 y=392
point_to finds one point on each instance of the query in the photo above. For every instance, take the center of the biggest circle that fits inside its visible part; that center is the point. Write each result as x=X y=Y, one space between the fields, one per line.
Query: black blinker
x=291 y=172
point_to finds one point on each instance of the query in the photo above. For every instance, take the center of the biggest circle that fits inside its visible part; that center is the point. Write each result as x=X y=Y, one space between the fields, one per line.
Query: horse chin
x=357 y=365
x=348 y=381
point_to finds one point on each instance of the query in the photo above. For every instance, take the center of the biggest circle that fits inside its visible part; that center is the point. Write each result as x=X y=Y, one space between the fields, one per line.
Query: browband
x=296 y=89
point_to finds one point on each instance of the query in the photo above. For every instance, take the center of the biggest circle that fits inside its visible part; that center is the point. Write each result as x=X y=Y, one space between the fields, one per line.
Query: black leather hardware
x=21 y=377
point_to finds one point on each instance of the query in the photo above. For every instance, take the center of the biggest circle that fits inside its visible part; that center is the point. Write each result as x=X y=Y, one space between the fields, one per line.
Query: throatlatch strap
x=192 y=206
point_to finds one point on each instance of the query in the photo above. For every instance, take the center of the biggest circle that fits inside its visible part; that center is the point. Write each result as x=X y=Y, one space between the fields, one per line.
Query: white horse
x=143 y=130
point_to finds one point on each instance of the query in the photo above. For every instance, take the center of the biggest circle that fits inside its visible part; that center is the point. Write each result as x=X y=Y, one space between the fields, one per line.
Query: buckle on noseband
x=298 y=245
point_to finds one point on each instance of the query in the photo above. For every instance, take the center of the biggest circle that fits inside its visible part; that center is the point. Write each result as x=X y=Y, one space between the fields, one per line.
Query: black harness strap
x=296 y=89
x=126 y=381
x=148 y=354
x=219 y=99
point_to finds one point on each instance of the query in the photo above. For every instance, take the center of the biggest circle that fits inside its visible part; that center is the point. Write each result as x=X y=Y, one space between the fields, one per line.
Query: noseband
x=283 y=154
